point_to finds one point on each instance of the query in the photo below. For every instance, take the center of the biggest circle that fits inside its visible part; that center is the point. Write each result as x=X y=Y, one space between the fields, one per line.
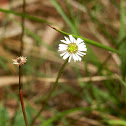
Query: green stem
x=24 y=15
x=50 y=93
x=89 y=41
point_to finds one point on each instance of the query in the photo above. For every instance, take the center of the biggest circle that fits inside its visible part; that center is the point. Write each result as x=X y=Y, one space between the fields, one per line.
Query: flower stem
x=50 y=93
x=20 y=75
x=22 y=27
x=21 y=97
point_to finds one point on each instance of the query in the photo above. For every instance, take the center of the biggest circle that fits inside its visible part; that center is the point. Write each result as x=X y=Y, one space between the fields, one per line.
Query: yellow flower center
x=72 y=48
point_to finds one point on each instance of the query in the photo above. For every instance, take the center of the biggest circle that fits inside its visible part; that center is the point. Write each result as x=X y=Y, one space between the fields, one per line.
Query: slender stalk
x=20 y=86
x=20 y=75
x=21 y=98
x=22 y=27
x=50 y=93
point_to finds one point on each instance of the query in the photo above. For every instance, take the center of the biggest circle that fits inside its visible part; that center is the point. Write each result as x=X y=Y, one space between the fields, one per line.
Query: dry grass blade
x=11 y=80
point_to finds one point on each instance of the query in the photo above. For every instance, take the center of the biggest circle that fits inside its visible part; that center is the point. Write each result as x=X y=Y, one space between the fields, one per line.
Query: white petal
x=62 y=54
x=79 y=58
x=67 y=40
x=81 y=53
x=69 y=58
x=62 y=48
x=82 y=44
x=15 y=63
x=75 y=58
x=82 y=48
x=79 y=40
x=72 y=39
x=66 y=56
x=62 y=45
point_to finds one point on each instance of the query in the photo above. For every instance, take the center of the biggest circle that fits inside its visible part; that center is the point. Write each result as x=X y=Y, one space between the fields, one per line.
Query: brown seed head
x=19 y=60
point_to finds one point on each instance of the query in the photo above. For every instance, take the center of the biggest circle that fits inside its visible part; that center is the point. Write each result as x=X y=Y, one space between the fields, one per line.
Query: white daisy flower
x=72 y=48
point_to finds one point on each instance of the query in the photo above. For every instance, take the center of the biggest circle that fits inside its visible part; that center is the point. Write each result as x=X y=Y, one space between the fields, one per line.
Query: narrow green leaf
x=114 y=2
x=120 y=79
x=65 y=17
x=73 y=18
x=3 y=116
x=24 y=15
x=3 y=63
x=122 y=21
x=122 y=34
x=62 y=114
x=19 y=119
x=117 y=122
